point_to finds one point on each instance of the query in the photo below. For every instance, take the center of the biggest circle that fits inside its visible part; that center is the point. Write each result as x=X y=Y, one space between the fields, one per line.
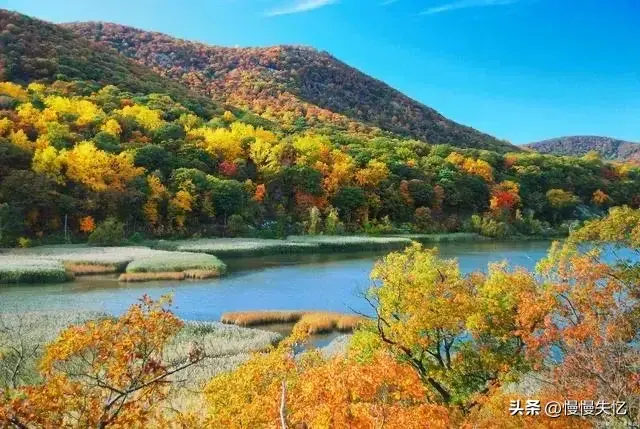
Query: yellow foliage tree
x=13 y=90
x=149 y=119
x=180 y=205
x=370 y=177
x=112 y=127
x=99 y=170
x=5 y=126
x=20 y=139
x=105 y=373
x=47 y=161
x=85 y=111
x=156 y=194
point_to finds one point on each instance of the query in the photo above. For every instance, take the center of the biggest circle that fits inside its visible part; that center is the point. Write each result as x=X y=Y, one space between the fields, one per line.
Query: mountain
x=31 y=49
x=607 y=147
x=286 y=83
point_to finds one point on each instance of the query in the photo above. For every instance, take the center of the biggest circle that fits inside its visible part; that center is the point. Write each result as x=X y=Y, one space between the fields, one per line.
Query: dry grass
x=202 y=274
x=80 y=269
x=313 y=322
x=253 y=318
x=319 y=323
x=147 y=277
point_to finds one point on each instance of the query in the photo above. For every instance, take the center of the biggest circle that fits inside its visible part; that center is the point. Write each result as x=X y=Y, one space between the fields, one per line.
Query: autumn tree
x=99 y=170
x=461 y=334
x=104 y=373
x=278 y=390
x=505 y=197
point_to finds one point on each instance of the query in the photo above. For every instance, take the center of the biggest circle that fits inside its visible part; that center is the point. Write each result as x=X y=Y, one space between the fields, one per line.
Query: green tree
x=348 y=200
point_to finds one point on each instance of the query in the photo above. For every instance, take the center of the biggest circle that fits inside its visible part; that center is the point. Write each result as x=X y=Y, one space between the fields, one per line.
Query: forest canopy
x=70 y=150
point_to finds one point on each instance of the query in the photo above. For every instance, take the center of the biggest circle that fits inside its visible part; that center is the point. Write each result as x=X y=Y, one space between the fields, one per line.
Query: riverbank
x=185 y=259
x=56 y=264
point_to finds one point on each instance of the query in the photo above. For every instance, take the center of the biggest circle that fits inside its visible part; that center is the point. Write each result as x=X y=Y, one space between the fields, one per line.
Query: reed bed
x=30 y=331
x=238 y=247
x=247 y=247
x=20 y=270
x=84 y=255
x=313 y=322
x=177 y=262
x=254 y=318
x=355 y=243
x=320 y=323
x=49 y=264
x=231 y=344
x=79 y=269
x=445 y=238
x=150 y=277
x=201 y=274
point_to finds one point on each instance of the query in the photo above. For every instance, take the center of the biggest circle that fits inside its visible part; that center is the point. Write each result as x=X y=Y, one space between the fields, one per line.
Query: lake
x=279 y=282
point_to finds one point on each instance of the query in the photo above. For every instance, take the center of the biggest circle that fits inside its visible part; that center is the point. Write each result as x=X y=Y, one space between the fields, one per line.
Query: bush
x=381 y=227
x=108 y=233
x=136 y=238
x=24 y=242
x=423 y=220
x=236 y=226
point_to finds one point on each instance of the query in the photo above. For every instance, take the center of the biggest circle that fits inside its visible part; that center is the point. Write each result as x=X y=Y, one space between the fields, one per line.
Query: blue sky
x=522 y=70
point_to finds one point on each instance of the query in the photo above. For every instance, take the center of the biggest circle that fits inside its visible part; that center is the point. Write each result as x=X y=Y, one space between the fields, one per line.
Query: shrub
x=24 y=242
x=108 y=233
x=236 y=225
x=423 y=220
x=314 y=221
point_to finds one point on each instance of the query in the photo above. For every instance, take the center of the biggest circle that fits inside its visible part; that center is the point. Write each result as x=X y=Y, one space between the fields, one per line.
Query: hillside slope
x=607 y=147
x=31 y=49
x=286 y=83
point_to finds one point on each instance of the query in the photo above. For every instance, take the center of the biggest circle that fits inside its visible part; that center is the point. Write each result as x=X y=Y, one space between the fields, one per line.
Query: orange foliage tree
x=105 y=373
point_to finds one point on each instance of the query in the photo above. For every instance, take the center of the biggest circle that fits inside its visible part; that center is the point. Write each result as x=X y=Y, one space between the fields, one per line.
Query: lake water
x=279 y=282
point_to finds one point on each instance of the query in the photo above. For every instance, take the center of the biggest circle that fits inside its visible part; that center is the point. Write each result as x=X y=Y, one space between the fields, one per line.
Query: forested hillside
x=154 y=165
x=31 y=49
x=608 y=148
x=89 y=137
x=296 y=85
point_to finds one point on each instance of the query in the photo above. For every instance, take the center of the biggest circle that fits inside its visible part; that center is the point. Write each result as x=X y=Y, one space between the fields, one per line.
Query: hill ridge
x=286 y=81
x=608 y=147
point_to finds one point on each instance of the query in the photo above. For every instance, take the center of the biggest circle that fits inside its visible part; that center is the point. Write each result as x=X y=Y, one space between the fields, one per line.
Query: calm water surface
x=282 y=282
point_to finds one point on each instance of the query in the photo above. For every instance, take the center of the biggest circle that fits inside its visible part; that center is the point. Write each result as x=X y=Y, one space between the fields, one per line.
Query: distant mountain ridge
x=31 y=49
x=287 y=83
x=609 y=148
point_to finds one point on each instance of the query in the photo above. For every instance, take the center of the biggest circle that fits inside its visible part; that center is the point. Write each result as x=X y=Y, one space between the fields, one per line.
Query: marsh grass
x=202 y=274
x=178 y=262
x=254 y=318
x=356 y=243
x=445 y=238
x=20 y=270
x=312 y=322
x=80 y=269
x=149 y=277
x=23 y=337
x=49 y=264
x=32 y=331
x=248 y=247
x=237 y=247
x=320 y=323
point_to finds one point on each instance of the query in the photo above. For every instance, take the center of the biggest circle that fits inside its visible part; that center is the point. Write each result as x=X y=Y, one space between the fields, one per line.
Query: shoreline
x=197 y=259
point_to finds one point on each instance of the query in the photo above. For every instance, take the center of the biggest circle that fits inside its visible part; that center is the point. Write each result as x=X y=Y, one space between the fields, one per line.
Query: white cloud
x=465 y=4
x=300 y=6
